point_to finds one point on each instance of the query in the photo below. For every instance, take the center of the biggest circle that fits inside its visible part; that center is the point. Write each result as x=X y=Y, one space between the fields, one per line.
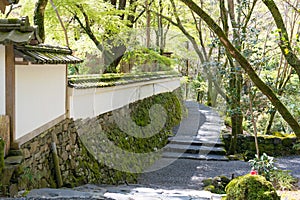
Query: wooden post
x=4 y=132
x=10 y=92
x=59 y=180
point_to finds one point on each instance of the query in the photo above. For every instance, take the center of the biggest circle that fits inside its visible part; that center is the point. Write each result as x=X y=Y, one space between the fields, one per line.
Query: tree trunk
x=209 y=93
x=270 y=122
x=112 y=57
x=38 y=18
x=265 y=89
x=284 y=43
x=235 y=77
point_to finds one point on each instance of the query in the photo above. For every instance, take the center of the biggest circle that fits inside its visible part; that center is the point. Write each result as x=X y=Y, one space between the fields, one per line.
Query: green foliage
x=140 y=115
x=264 y=165
x=283 y=180
x=28 y=178
x=250 y=187
x=142 y=58
x=199 y=84
x=297 y=146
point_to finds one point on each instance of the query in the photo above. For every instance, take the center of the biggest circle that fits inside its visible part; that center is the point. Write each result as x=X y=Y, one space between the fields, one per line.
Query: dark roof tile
x=46 y=54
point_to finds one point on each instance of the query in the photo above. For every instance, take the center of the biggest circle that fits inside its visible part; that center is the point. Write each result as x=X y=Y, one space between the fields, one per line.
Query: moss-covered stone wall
x=271 y=145
x=82 y=150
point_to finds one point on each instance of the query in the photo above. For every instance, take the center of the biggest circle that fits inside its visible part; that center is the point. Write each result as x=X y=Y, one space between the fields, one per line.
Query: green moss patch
x=251 y=187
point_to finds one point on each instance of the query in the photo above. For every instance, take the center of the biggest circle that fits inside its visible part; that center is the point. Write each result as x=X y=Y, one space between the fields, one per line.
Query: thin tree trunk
x=253 y=122
x=61 y=23
x=270 y=122
x=39 y=17
x=148 y=20
x=284 y=43
x=265 y=89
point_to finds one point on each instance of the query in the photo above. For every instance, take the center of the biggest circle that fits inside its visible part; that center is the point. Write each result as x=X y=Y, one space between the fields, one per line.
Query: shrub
x=216 y=185
x=264 y=165
x=283 y=180
x=250 y=187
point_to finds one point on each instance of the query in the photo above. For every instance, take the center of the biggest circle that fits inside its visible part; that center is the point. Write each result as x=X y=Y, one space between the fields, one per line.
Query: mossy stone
x=207 y=182
x=210 y=188
x=251 y=187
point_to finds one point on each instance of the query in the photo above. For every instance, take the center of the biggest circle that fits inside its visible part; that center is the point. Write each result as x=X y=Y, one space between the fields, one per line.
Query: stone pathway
x=132 y=192
x=198 y=136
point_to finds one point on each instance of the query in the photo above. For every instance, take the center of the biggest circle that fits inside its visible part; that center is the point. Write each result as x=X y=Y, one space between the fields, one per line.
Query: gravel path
x=188 y=174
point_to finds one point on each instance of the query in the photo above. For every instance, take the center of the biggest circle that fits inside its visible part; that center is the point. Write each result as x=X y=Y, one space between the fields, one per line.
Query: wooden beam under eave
x=10 y=88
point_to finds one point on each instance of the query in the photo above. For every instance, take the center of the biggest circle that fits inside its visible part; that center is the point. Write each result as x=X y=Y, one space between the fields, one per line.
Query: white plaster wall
x=2 y=80
x=40 y=96
x=146 y=91
x=165 y=86
x=86 y=103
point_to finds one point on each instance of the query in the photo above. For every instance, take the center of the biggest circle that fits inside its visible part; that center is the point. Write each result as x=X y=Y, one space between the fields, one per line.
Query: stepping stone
x=200 y=142
x=195 y=149
x=194 y=156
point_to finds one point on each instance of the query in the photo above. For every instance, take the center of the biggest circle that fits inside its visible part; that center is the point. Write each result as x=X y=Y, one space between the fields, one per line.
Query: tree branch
x=87 y=27
x=61 y=23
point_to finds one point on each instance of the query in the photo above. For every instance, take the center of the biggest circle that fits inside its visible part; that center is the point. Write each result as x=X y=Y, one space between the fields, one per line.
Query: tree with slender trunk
x=284 y=41
x=39 y=17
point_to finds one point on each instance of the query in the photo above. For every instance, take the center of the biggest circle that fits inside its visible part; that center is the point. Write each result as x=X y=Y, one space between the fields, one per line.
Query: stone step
x=195 y=149
x=15 y=153
x=13 y=160
x=194 y=156
x=200 y=142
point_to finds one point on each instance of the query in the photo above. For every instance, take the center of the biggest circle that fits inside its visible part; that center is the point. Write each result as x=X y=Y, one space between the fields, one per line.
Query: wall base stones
x=83 y=153
x=271 y=145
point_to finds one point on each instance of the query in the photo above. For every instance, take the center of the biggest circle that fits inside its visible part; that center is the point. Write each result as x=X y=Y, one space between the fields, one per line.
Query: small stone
x=26 y=153
x=64 y=156
x=68 y=147
x=54 y=137
x=37 y=155
x=40 y=166
x=13 y=190
x=34 y=146
x=73 y=138
x=45 y=148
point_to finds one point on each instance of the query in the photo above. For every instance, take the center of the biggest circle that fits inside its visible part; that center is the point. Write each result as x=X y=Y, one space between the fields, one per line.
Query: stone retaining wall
x=271 y=145
x=76 y=141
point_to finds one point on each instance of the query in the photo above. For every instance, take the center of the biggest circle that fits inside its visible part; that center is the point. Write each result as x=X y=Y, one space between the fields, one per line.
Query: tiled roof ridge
x=22 y=24
x=100 y=81
x=46 y=48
